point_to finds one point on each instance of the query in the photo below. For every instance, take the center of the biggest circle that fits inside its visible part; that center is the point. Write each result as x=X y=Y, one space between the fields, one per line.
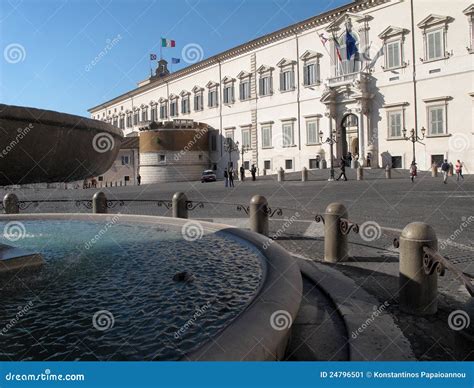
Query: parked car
x=208 y=176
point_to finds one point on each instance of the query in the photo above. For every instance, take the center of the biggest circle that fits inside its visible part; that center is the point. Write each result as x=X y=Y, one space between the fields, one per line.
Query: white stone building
x=277 y=93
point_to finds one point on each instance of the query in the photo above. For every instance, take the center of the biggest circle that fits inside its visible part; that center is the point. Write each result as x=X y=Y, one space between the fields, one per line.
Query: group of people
x=446 y=167
x=229 y=175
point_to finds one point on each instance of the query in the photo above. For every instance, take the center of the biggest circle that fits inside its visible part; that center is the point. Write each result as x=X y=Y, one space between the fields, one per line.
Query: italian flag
x=167 y=42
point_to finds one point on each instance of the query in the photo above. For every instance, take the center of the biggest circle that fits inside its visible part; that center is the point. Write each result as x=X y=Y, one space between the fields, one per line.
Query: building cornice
x=298 y=28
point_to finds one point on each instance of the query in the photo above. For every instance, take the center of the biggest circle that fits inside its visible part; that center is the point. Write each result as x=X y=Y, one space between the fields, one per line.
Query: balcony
x=345 y=79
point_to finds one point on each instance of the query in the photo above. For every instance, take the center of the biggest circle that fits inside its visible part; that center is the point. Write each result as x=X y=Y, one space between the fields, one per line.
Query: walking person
x=369 y=159
x=445 y=170
x=231 y=177
x=458 y=168
x=139 y=179
x=253 y=171
x=413 y=171
x=349 y=159
x=342 y=166
x=242 y=173
x=226 y=177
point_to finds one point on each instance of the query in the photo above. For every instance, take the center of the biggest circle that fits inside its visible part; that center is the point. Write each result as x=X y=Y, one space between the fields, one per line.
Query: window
x=115 y=121
x=395 y=124
x=313 y=164
x=174 y=108
x=266 y=136
x=163 y=111
x=229 y=94
x=162 y=158
x=310 y=75
x=154 y=112
x=393 y=57
x=312 y=132
x=287 y=81
x=229 y=135
x=437 y=159
x=347 y=66
x=198 y=102
x=287 y=130
x=244 y=90
x=125 y=160
x=136 y=117
x=289 y=164
x=265 y=87
x=122 y=122
x=469 y=12
x=396 y=162
x=434 y=45
x=185 y=105
x=246 y=137
x=267 y=164
x=144 y=114
x=212 y=97
x=129 y=120
x=436 y=120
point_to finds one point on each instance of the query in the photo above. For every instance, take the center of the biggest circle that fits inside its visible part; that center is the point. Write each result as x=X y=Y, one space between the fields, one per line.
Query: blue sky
x=51 y=49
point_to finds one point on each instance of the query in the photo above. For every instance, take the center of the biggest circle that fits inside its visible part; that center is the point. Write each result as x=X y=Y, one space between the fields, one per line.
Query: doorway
x=349 y=141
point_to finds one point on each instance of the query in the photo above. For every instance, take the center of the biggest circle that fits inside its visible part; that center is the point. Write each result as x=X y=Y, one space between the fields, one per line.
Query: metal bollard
x=388 y=172
x=335 y=242
x=417 y=290
x=99 y=203
x=10 y=204
x=281 y=175
x=258 y=211
x=464 y=337
x=304 y=174
x=360 y=173
x=179 y=205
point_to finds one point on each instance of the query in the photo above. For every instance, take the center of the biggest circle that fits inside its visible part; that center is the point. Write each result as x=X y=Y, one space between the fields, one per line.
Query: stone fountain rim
x=54 y=118
x=250 y=336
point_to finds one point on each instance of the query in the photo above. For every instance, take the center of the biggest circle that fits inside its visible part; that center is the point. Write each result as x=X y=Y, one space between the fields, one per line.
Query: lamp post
x=331 y=140
x=414 y=138
x=243 y=150
x=229 y=147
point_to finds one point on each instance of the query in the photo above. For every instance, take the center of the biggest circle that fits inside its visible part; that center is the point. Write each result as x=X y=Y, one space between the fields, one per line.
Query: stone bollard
x=99 y=203
x=258 y=214
x=304 y=174
x=281 y=175
x=10 y=204
x=179 y=205
x=464 y=334
x=335 y=242
x=360 y=173
x=434 y=170
x=417 y=290
x=388 y=172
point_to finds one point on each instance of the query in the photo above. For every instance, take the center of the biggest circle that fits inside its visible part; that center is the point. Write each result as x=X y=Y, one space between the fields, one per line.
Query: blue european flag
x=351 y=45
x=175 y=60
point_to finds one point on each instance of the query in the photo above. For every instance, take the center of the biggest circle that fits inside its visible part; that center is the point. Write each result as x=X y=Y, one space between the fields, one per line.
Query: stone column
x=99 y=203
x=10 y=204
x=179 y=207
x=258 y=211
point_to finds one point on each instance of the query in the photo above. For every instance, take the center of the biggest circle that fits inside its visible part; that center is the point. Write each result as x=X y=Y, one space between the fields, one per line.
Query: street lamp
x=331 y=140
x=244 y=149
x=230 y=146
x=414 y=138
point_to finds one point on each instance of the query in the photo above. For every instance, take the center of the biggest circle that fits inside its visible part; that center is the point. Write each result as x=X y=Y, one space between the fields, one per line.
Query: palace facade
x=282 y=95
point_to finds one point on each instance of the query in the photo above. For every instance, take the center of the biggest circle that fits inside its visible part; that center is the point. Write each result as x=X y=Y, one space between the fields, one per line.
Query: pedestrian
x=242 y=173
x=226 y=178
x=369 y=159
x=445 y=170
x=459 y=170
x=139 y=179
x=231 y=177
x=413 y=171
x=349 y=159
x=253 y=171
x=342 y=166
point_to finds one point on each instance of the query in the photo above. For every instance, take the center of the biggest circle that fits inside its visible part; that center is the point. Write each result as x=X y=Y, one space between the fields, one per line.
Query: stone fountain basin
x=261 y=330
x=42 y=146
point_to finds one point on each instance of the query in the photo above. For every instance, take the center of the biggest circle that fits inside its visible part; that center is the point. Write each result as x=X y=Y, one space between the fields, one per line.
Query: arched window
x=351 y=65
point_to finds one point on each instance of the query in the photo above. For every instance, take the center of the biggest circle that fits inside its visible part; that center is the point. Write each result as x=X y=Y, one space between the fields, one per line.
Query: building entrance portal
x=349 y=140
